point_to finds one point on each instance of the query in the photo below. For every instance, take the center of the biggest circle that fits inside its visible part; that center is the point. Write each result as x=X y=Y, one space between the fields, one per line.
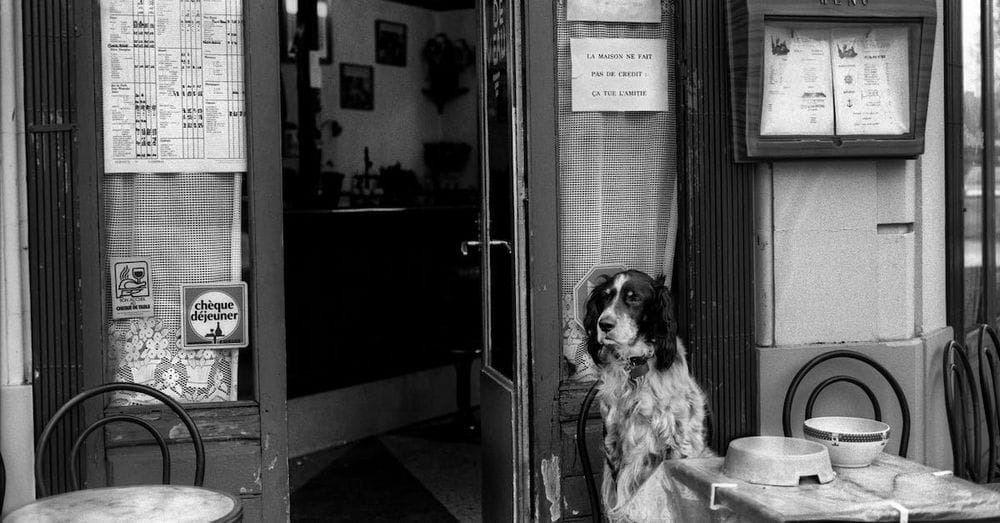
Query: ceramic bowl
x=852 y=442
x=773 y=460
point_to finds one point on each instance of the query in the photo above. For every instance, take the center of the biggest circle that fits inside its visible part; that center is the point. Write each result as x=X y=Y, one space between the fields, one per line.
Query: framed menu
x=840 y=81
x=829 y=79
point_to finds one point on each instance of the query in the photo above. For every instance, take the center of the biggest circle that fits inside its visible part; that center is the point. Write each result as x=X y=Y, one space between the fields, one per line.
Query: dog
x=652 y=407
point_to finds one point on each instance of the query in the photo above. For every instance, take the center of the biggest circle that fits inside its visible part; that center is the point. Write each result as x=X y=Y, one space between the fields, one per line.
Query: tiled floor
x=426 y=472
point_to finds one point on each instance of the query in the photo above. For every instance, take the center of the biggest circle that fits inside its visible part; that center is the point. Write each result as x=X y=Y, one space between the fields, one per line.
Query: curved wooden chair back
x=199 y=446
x=989 y=383
x=3 y=481
x=961 y=401
x=786 y=413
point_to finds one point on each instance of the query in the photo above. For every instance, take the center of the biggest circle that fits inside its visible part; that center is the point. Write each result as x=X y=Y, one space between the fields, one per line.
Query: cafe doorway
x=380 y=168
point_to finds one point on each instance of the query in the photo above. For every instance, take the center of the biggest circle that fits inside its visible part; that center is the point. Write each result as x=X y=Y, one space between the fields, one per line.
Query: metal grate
x=53 y=229
x=715 y=245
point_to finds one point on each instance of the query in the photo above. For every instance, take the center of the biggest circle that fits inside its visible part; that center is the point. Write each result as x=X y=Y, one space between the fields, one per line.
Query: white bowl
x=852 y=442
x=773 y=460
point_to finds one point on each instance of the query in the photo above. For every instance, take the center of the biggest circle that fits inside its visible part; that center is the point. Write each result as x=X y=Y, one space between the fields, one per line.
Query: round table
x=134 y=503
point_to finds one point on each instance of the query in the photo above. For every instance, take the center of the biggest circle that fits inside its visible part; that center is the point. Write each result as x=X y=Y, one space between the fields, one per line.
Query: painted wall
x=851 y=255
x=403 y=118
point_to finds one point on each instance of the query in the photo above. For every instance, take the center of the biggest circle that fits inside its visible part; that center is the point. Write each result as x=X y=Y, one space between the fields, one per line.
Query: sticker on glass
x=132 y=288
x=214 y=316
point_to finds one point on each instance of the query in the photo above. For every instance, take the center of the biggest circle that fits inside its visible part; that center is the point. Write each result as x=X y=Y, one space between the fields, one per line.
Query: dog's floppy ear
x=664 y=326
x=595 y=306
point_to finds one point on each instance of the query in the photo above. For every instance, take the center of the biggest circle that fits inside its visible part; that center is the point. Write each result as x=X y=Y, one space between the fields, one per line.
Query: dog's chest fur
x=656 y=417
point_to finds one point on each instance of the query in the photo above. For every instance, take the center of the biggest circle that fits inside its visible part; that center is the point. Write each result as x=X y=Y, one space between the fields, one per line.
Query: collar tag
x=637 y=367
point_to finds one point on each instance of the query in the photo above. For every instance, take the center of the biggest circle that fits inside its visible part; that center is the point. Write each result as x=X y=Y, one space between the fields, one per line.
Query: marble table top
x=682 y=490
x=152 y=503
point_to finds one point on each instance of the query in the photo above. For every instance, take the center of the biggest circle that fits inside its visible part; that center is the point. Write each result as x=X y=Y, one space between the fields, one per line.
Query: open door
x=503 y=384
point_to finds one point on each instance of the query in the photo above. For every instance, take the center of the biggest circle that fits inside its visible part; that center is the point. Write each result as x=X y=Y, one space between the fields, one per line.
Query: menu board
x=851 y=80
x=174 y=94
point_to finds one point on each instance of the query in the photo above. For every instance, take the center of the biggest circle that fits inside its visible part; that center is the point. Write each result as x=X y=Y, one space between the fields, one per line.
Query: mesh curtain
x=617 y=179
x=189 y=227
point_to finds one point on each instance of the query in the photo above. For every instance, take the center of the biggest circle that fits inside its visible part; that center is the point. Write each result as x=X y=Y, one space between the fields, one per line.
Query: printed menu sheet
x=842 y=81
x=797 y=93
x=871 y=78
x=174 y=95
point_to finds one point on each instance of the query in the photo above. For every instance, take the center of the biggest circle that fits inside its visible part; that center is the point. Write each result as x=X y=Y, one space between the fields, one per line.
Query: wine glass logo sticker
x=131 y=281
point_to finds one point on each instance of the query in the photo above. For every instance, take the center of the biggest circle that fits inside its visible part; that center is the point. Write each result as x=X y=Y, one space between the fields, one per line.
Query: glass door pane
x=972 y=153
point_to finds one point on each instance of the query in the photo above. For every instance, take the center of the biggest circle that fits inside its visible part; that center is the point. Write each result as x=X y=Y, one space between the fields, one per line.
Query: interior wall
x=402 y=119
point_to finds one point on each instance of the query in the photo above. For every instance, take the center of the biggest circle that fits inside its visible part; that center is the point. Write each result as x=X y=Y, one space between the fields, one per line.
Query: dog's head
x=631 y=315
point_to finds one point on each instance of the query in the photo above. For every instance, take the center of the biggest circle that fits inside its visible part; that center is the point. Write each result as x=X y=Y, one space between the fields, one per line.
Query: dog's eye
x=632 y=297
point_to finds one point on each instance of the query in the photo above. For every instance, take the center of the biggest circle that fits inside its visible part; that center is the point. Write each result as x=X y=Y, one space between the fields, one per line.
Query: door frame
x=544 y=358
x=537 y=359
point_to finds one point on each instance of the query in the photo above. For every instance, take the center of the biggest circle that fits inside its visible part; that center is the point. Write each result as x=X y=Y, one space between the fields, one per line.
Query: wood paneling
x=569 y=456
x=230 y=466
x=214 y=424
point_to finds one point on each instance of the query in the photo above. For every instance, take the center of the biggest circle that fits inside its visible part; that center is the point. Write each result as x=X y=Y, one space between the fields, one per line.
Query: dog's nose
x=606 y=325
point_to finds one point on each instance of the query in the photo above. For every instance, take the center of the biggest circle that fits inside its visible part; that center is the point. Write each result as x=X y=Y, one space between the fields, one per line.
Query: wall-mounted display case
x=829 y=78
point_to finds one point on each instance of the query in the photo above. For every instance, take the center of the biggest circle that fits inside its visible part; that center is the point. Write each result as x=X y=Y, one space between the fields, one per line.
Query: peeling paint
x=267 y=441
x=273 y=463
x=256 y=478
x=177 y=431
x=243 y=490
x=550 y=480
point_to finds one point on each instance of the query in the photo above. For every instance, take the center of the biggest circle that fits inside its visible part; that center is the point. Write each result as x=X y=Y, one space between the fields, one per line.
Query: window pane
x=972 y=161
x=995 y=27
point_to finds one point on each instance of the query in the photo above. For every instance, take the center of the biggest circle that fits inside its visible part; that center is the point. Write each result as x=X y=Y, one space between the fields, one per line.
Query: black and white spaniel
x=653 y=410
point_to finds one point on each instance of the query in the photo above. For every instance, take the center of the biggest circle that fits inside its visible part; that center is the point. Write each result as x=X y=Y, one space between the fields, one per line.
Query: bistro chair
x=989 y=379
x=199 y=447
x=786 y=414
x=961 y=402
x=3 y=481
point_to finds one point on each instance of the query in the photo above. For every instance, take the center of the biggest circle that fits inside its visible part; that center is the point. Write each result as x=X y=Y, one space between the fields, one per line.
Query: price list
x=174 y=92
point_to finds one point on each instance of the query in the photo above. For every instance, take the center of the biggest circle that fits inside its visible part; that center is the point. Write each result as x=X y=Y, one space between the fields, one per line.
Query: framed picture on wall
x=390 y=43
x=324 y=28
x=357 y=87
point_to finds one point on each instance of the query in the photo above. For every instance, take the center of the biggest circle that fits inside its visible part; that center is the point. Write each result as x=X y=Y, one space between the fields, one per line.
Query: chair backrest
x=199 y=446
x=961 y=401
x=989 y=380
x=3 y=481
x=786 y=413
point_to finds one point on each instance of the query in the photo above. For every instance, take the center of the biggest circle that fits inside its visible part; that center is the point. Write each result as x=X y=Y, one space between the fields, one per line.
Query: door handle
x=476 y=243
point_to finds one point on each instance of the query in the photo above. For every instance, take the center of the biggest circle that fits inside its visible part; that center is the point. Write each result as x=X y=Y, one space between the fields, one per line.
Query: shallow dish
x=773 y=460
x=852 y=442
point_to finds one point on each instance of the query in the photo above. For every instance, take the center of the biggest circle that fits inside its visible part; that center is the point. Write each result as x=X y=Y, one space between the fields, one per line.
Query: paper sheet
x=797 y=98
x=613 y=10
x=871 y=80
x=619 y=74
x=173 y=86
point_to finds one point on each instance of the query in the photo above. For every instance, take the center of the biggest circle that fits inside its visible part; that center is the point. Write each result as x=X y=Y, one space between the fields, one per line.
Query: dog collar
x=637 y=366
